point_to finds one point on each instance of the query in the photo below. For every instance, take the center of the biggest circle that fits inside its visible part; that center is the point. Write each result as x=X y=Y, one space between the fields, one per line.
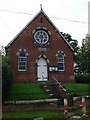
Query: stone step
x=53 y=91
x=40 y=118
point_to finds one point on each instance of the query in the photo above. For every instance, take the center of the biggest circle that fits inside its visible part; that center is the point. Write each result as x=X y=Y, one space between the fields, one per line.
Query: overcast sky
x=69 y=16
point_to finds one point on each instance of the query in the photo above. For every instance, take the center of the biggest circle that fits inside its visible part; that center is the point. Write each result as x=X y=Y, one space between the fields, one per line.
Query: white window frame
x=19 y=57
x=58 y=61
x=42 y=33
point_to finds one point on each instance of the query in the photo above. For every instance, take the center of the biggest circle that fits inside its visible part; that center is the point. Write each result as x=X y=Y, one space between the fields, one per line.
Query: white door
x=42 y=70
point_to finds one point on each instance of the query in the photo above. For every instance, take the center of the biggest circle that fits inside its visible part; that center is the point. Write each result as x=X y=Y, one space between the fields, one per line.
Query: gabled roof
x=41 y=11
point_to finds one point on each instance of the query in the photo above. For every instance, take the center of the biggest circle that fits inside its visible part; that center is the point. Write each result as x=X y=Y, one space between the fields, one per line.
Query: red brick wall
x=25 y=40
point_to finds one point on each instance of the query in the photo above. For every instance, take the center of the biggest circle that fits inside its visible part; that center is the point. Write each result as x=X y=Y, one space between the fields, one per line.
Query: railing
x=59 y=83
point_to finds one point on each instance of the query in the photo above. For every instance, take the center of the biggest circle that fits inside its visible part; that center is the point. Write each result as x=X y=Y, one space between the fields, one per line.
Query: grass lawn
x=34 y=91
x=79 y=111
x=78 y=89
x=27 y=92
x=35 y=114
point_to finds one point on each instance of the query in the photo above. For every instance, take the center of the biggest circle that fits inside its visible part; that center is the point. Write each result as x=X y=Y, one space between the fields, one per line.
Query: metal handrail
x=59 y=84
x=56 y=80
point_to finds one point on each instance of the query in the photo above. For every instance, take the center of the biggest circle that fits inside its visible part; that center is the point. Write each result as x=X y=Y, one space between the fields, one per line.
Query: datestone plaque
x=41 y=49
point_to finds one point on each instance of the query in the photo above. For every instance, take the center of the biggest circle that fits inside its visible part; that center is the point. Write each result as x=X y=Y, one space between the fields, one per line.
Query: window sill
x=61 y=70
x=22 y=71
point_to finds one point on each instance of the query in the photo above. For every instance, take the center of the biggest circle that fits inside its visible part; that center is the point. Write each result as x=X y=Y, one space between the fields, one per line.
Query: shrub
x=82 y=78
x=7 y=77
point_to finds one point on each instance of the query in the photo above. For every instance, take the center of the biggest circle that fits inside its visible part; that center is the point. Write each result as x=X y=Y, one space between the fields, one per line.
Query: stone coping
x=31 y=101
x=79 y=97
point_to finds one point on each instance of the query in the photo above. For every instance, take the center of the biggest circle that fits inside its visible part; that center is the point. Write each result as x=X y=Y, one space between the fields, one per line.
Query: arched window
x=60 y=61
x=22 y=59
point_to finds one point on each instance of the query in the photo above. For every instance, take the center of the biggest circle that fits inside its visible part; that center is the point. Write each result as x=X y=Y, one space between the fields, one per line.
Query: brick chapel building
x=39 y=52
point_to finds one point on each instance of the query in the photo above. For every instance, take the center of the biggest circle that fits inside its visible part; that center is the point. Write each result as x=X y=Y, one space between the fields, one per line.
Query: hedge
x=7 y=77
x=82 y=78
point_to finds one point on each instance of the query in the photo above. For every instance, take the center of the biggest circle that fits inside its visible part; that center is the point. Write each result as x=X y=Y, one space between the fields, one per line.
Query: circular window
x=41 y=37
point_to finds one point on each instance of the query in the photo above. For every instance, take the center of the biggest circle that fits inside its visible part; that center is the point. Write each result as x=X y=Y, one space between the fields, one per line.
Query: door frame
x=46 y=64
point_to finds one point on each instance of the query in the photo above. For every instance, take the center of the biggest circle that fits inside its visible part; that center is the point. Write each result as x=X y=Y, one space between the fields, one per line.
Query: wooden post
x=83 y=107
x=65 y=108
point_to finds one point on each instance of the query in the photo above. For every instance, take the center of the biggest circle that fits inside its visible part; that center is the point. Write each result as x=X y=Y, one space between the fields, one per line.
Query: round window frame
x=43 y=38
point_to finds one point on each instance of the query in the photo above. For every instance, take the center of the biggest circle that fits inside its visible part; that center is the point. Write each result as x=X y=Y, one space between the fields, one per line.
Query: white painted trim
x=25 y=65
x=42 y=70
x=61 y=62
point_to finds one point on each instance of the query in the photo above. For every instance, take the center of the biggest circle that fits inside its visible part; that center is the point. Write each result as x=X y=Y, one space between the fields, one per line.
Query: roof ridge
x=41 y=11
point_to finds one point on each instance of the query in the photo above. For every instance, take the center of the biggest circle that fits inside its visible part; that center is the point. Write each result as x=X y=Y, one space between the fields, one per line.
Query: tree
x=88 y=53
x=75 y=46
x=84 y=56
x=7 y=77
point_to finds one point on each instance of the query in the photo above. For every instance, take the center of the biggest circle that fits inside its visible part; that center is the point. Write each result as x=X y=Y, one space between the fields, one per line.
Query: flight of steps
x=56 y=90
x=51 y=89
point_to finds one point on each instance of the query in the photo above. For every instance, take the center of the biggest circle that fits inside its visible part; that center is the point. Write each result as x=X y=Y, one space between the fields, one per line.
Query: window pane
x=22 y=54
x=22 y=63
x=60 y=55
x=61 y=68
x=60 y=61
x=22 y=67
x=23 y=59
x=60 y=64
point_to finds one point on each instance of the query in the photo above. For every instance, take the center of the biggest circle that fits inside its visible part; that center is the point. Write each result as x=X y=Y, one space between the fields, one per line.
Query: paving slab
x=40 y=118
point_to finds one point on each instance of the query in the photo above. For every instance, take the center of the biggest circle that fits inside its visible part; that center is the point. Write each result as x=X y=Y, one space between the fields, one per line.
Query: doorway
x=42 y=73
